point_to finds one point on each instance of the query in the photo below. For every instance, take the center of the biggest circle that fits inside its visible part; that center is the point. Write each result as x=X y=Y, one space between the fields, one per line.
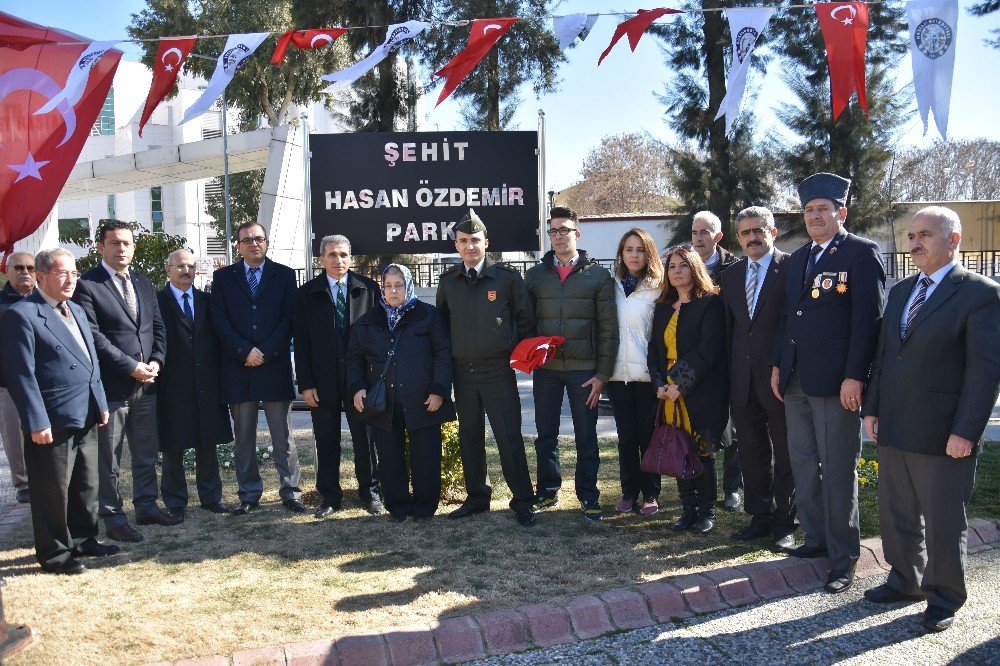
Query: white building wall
x=600 y=236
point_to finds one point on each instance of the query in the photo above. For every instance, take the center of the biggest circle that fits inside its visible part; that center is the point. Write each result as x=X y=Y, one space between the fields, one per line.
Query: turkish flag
x=845 y=31
x=635 y=27
x=304 y=39
x=38 y=152
x=170 y=57
x=483 y=35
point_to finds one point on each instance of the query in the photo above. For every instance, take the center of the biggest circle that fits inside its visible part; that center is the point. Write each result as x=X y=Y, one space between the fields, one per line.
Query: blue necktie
x=188 y=312
x=252 y=280
x=811 y=266
x=915 y=306
x=340 y=305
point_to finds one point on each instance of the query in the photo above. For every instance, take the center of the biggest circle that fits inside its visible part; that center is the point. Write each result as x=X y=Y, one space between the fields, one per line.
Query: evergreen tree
x=985 y=8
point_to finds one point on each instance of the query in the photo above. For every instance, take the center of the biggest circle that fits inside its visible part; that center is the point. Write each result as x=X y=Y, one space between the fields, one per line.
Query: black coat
x=189 y=408
x=243 y=322
x=8 y=297
x=421 y=365
x=320 y=345
x=726 y=259
x=700 y=371
x=121 y=341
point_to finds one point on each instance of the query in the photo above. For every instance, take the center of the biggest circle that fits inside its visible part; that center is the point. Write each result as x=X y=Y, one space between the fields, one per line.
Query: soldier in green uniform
x=488 y=310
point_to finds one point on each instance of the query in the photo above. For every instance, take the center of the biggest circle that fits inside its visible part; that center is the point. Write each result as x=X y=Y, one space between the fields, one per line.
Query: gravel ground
x=815 y=628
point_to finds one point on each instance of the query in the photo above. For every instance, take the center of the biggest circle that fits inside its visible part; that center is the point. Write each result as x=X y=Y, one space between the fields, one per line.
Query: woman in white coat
x=638 y=282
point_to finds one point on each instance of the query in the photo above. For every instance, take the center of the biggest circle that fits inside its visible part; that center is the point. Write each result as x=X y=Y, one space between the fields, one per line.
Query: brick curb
x=469 y=637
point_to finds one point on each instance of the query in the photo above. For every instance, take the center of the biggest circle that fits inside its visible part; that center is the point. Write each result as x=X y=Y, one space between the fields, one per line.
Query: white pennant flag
x=568 y=28
x=76 y=81
x=396 y=35
x=745 y=26
x=238 y=48
x=933 y=31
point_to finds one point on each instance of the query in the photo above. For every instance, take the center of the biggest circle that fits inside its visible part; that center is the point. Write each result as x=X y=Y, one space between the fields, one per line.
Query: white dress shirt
x=936 y=277
x=763 y=264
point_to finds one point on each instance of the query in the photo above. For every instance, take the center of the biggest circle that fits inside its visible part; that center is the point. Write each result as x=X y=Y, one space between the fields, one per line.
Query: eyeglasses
x=561 y=232
x=24 y=268
x=63 y=274
x=184 y=267
x=250 y=240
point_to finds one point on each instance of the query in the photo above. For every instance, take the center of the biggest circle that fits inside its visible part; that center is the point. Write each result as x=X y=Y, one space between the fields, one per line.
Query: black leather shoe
x=686 y=521
x=124 y=533
x=293 y=505
x=467 y=510
x=525 y=517
x=704 y=525
x=159 y=518
x=178 y=513
x=68 y=568
x=24 y=496
x=732 y=502
x=839 y=581
x=784 y=544
x=937 y=618
x=807 y=552
x=398 y=517
x=93 y=548
x=883 y=594
x=325 y=511
x=244 y=508
x=218 y=507
x=754 y=530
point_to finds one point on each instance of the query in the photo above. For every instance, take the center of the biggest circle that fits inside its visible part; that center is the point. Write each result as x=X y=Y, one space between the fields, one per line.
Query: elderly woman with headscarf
x=418 y=387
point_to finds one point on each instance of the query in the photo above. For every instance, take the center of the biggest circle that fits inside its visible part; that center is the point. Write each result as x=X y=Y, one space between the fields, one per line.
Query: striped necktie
x=129 y=295
x=811 y=266
x=915 y=306
x=252 y=280
x=752 y=269
x=340 y=305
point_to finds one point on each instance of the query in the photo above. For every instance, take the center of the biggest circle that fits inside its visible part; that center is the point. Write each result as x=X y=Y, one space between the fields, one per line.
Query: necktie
x=915 y=305
x=64 y=311
x=811 y=266
x=252 y=280
x=129 y=294
x=752 y=269
x=473 y=274
x=188 y=312
x=340 y=304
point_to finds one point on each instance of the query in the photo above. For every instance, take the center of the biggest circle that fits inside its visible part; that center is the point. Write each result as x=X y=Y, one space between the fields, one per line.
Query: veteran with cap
x=489 y=312
x=822 y=358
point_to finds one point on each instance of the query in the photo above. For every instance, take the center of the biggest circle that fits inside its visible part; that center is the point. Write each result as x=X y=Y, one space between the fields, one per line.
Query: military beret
x=470 y=224
x=824 y=186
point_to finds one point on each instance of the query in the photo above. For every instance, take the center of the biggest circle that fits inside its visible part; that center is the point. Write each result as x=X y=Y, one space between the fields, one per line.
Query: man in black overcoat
x=190 y=412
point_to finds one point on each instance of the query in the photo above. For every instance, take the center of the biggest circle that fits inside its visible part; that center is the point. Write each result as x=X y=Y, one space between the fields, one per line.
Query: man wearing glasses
x=20 y=283
x=573 y=297
x=253 y=304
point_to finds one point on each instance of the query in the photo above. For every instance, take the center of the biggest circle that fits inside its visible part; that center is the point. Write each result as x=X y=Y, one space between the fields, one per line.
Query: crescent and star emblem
x=491 y=26
x=42 y=84
x=848 y=20
x=322 y=37
x=180 y=57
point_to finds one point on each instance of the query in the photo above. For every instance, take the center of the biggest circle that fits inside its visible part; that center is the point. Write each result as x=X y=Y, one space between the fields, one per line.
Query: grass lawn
x=217 y=584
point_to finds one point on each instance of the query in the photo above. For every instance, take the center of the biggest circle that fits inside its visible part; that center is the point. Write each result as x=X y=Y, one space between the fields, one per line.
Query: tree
x=527 y=53
x=626 y=173
x=260 y=90
x=948 y=171
x=151 y=251
x=244 y=200
x=855 y=147
x=984 y=8
x=714 y=171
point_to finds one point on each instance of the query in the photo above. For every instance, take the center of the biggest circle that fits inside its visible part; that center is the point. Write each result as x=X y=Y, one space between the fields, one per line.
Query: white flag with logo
x=568 y=28
x=745 y=26
x=237 y=49
x=933 y=31
x=76 y=81
x=396 y=35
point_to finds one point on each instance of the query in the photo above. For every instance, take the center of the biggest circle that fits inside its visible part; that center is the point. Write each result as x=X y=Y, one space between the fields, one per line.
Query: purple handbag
x=670 y=451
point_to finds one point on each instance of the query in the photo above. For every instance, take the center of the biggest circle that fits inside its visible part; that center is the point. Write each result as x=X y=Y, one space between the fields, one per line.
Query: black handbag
x=376 y=401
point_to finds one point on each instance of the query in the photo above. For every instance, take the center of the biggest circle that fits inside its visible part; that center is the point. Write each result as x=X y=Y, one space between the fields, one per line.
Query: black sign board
x=403 y=192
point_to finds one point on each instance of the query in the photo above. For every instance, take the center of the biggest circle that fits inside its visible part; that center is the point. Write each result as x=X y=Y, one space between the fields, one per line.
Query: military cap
x=470 y=224
x=824 y=186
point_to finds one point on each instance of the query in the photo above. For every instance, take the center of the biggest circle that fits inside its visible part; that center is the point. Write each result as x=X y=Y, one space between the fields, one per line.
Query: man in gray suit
x=935 y=379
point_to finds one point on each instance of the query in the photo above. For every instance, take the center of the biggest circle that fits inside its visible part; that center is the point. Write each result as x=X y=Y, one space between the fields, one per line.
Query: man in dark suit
x=934 y=383
x=50 y=366
x=754 y=293
x=325 y=309
x=821 y=360
x=190 y=411
x=20 y=283
x=131 y=345
x=253 y=304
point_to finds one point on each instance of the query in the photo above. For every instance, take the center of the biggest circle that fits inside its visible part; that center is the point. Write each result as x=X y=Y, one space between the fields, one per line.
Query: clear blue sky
x=618 y=96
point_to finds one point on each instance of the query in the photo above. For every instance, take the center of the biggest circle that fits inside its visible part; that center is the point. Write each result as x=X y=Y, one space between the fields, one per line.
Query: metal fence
x=897 y=266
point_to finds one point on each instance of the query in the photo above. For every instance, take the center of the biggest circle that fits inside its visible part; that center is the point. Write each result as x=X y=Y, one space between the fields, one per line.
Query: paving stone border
x=470 y=637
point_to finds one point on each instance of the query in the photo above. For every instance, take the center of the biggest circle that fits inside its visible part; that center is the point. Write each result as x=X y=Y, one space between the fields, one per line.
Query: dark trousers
x=547 y=388
x=634 y=405
x=698 y=494
x=767 y=471
x=493 y=394
x=922 y=501
x=63 y=479
x=173 y=483
x=732 y=475
x=326 y=426
x=133 y=419
x=425 y=464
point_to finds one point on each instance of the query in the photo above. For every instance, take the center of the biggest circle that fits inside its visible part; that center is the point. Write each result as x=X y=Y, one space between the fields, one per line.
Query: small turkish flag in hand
x=170 y=57
x=482 y=37
x=845 y=32
x=304 y=39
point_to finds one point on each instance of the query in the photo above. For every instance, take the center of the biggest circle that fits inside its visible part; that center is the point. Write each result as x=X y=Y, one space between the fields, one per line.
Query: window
x=74 y=230
x=112 y=207
x=105 y=124
x=156 y=207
